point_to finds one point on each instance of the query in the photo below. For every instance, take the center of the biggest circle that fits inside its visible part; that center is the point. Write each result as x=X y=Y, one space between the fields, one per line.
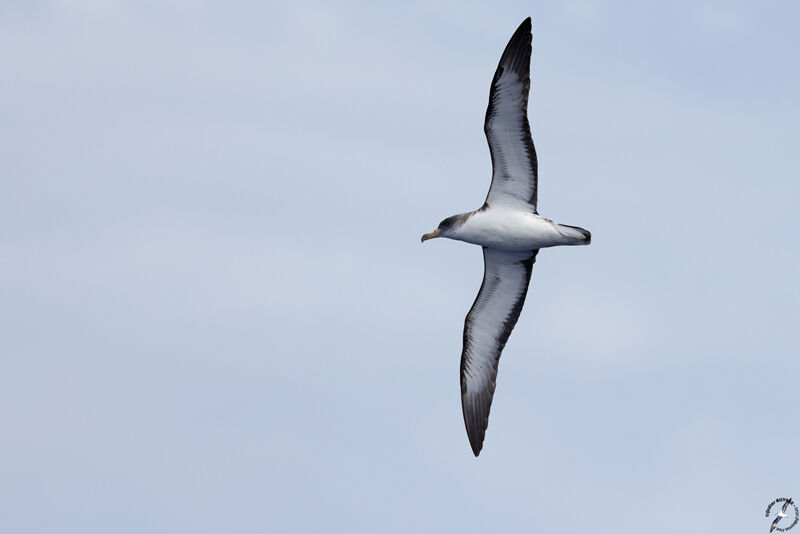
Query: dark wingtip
x=476 y=448
x=476 y=419
x=517 y=54
x=524 y=27
x=475 y=440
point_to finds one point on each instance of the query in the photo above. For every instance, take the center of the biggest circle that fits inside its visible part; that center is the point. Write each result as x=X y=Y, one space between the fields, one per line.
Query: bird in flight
x=510 y=230
x=781 y=514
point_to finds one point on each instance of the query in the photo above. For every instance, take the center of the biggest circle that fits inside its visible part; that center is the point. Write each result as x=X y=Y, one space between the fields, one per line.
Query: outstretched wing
x=514 y=164
x=486 y=329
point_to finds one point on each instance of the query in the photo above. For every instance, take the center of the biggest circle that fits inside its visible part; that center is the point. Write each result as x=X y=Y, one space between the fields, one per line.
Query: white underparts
x=512 y=229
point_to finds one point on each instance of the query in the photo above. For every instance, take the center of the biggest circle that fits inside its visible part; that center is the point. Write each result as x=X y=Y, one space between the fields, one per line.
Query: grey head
x=447 y=226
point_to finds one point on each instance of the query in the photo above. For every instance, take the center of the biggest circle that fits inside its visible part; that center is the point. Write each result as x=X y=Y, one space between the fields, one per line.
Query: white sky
x=216 y=315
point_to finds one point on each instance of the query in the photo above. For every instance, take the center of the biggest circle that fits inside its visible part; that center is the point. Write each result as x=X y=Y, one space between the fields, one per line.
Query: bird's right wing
x=514 y=163
x=486 y=329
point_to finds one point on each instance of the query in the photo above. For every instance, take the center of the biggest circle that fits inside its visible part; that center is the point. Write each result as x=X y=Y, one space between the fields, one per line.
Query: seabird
x=510 y=230
x=781 y=514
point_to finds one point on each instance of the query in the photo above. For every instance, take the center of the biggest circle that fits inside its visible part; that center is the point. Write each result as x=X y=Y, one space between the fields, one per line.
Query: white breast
x=507 y=229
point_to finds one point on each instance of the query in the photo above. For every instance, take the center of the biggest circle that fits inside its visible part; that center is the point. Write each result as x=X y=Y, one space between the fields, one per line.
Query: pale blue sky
x=216 y=314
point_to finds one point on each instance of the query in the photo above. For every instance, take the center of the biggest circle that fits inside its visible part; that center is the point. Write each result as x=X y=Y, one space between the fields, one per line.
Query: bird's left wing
x=514 y=163
x=486 y=329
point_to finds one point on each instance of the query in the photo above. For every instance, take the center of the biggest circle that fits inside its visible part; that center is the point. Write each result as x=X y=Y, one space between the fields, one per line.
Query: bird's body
x=506 y=228
x=510 y=230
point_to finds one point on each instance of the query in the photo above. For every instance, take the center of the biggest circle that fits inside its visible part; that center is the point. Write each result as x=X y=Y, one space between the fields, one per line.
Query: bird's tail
x=575 y=234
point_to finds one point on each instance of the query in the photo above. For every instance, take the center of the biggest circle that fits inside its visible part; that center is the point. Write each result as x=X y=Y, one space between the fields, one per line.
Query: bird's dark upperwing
x=514 y=164
x=486 y=329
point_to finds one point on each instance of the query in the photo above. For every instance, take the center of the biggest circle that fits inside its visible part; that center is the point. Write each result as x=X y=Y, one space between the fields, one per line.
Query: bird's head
x=445 y=227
